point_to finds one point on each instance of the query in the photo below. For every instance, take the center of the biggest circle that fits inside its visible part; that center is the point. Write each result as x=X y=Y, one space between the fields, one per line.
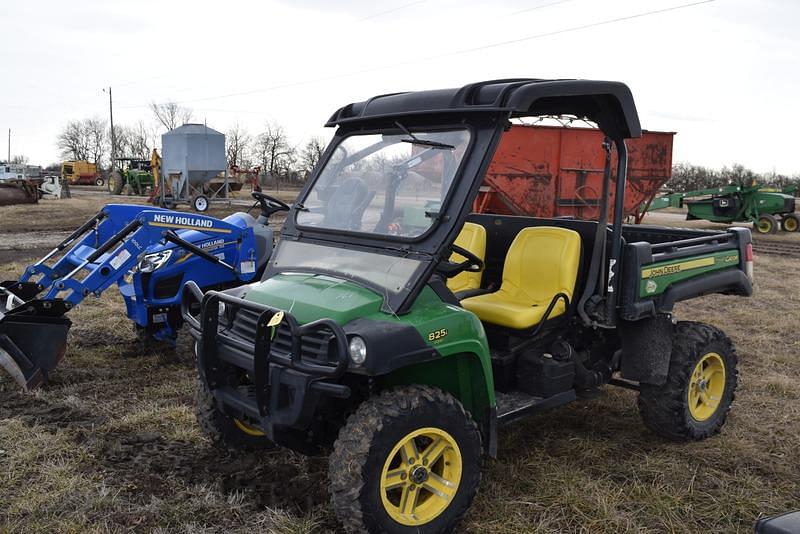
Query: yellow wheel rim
x=764 y=226
x=790 y=224
x=420 y=477
x=706 y=386
x=248 y=429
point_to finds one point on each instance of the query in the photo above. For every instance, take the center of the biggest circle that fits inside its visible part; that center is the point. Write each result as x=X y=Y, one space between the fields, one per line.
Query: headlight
x=156 y=260
x=358 y=350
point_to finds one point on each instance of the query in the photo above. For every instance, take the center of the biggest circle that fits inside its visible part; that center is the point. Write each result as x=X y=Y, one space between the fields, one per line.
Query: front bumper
x=247 y=372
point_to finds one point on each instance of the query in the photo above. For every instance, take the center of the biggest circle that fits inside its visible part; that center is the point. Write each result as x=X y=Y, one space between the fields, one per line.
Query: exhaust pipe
x=33 y=337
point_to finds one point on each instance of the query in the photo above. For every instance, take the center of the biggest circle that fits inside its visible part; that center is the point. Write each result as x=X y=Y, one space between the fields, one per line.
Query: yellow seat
x=541 y=262
x=473 y=238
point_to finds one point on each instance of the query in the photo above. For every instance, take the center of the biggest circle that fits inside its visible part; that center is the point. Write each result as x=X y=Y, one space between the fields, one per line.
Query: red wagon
x=548 y=171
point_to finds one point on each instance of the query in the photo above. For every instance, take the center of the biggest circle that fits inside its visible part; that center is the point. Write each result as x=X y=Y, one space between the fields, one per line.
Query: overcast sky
x=722 y=73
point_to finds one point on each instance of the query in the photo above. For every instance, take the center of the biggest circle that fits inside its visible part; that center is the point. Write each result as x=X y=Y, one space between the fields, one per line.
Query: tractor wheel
x=99 y=182
x=224 y=431
x=766 y=224
x=696 y=399
x=200 y=203
x=115 y=183
x=790 y=222
x=407 y=461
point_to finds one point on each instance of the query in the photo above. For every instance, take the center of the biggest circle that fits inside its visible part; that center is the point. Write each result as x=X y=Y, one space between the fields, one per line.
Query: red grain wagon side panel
x=548 y=171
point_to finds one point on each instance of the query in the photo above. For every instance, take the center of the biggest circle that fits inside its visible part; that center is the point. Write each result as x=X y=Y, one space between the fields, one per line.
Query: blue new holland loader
x=150 y=253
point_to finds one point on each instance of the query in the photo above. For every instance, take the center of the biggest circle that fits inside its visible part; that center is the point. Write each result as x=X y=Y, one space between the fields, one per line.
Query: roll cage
x=486 y=109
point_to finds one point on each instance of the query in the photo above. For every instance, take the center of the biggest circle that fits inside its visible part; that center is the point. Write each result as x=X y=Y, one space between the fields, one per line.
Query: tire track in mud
x=33 y=410
x=149 y=464
x=15 y=246
x=31 y=240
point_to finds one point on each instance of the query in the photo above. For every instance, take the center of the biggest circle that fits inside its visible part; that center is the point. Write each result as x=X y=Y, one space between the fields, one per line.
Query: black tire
x=145 y=339
x=766 y=224
x=366 y=444
x=222 y=429
x=99 y=182
x=115 y=183
x=666 y=409
x=790 y=222
x=200 y=203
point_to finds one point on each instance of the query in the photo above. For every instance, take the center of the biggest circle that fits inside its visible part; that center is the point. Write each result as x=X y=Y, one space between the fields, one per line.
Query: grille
x=168 y=287
x=314 y=347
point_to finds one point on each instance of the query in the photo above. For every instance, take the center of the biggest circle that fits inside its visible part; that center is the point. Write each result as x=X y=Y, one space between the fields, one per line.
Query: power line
x=577 y=28
x=536 y=8
x=447 y=54
x=368 y=17
x=382 y=13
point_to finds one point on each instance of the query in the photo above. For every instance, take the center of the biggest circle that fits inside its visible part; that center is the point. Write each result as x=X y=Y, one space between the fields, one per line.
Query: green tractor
x=131 y=176
x=400 y=330
x=767 y=209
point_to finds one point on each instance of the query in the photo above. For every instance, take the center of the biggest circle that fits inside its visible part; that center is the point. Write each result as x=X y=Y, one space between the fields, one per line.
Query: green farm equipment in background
x=131 y=176
x=766 y=208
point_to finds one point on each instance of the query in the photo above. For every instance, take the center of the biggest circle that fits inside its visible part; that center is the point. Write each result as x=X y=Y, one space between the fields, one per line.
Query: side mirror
x=788 y=523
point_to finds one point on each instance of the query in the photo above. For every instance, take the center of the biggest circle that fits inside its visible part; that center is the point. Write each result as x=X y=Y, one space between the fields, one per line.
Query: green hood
x=310 y=297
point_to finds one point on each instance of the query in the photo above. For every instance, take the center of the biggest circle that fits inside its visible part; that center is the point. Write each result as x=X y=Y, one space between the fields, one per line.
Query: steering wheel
x=269 y=205
x=472 y=263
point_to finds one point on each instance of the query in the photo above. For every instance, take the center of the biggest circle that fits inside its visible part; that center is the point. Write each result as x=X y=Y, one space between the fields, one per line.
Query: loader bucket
x=33 y=339
x=18 y=192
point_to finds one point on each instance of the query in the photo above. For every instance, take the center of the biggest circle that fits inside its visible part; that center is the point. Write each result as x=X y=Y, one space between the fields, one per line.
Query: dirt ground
x=112 y=444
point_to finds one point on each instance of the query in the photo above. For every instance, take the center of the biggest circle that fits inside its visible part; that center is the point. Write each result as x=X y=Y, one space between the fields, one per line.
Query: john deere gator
x=400 y=330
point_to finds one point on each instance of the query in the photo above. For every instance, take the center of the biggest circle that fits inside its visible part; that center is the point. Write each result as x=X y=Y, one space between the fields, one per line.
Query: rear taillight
x=748 y=261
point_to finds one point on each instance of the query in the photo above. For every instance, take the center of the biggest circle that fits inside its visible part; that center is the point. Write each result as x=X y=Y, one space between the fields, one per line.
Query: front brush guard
x=269 y=372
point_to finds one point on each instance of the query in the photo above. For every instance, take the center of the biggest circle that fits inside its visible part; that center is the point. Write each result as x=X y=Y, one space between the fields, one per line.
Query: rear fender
x=646 y=349
x=729 y=282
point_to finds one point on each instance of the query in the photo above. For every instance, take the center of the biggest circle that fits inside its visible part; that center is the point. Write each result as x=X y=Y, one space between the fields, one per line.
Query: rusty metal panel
x=19 y=192
x=547 y=171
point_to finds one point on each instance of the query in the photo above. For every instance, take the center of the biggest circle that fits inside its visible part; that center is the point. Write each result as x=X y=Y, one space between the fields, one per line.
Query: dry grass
x=112 y=445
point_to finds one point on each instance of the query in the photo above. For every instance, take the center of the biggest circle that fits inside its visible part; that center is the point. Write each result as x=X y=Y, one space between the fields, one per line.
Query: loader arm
x=113 y=258
x=33 y=326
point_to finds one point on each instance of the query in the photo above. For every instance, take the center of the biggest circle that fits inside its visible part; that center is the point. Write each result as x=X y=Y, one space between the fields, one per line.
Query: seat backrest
x=473 y=238
x=542 y=262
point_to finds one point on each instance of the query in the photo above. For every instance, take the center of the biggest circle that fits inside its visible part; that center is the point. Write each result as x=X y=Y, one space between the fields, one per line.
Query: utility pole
x=113 y=135
x=9 y=146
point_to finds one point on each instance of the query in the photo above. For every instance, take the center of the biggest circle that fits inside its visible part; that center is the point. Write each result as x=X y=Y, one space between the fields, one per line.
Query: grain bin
x=193 y=154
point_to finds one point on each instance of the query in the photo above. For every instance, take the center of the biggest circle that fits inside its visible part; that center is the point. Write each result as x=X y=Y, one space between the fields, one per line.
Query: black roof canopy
x=609 y=104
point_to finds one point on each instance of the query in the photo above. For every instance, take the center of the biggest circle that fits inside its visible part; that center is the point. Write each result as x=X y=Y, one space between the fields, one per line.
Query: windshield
x=385 y=184
x=391 y=274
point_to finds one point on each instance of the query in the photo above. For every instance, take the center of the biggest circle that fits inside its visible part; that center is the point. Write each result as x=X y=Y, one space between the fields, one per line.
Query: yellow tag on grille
x=276 y=319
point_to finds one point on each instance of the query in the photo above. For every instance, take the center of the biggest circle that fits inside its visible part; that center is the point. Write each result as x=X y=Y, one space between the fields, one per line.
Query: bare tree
x=311 y=154
x=122 y=137
x=84 y=140
x=135 y=141
x=170 y=114
x=142 y=140
x=237 y=146
x=272 y=149
x=96 y=134
x=73 y=141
